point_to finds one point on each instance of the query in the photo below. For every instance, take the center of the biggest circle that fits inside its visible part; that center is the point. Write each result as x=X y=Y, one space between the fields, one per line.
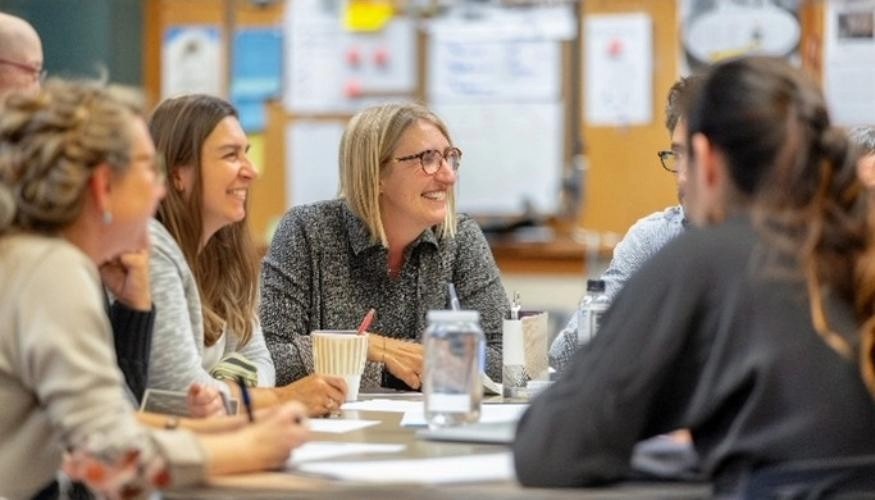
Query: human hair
x=226 y=268
x=770 y=123
x=50 y=145
x=366 y=153
x=677 y=95
x=863 y=138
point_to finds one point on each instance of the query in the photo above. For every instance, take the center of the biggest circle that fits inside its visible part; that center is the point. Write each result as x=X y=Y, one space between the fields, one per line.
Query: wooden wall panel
x=625 y=181
x=267 y=197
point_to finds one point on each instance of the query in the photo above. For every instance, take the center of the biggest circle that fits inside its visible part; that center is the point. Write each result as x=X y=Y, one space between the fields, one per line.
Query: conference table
x=294 y=484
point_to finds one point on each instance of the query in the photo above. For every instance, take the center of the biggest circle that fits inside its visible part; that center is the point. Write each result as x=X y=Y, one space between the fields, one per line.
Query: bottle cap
x=595 y=286
x=445 y=315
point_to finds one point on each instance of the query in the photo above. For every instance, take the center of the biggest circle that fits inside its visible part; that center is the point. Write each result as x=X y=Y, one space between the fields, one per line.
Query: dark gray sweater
x=713 y=336
x=324 y=272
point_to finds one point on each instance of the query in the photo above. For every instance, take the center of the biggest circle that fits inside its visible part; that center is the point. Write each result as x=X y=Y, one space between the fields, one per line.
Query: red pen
x=366 y=321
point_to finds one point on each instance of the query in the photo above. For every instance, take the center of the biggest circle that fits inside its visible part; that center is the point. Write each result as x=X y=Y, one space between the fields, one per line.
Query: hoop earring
x=107 y=217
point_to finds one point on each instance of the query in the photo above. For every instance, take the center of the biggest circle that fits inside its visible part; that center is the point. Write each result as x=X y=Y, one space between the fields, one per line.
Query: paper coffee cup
x=341 y=353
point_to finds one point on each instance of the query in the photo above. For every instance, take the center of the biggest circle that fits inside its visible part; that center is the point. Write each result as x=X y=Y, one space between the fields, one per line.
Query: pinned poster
x=192 y=62
x=256 y=73
x=618 y=69
x=848 y=69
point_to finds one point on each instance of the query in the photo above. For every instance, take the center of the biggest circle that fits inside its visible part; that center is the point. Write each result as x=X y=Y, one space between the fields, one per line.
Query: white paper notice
x=507 y=167
x=311 y=156
x=388 y=405
x=848 y=68
x=471 y=468
x=489 y=414
x=618 y=73
x=192 y=62
x=339 y=425
x=323 y=450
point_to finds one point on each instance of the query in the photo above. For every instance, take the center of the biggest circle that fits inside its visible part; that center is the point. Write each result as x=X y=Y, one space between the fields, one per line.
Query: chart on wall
x=330 y=69
x=618 y=69
x=495 y=76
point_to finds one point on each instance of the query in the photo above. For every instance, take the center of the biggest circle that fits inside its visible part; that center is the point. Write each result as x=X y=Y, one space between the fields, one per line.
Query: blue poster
x=257 y=74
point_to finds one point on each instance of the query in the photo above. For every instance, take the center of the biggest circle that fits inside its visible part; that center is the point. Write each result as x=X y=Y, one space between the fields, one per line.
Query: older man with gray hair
x=21 y=56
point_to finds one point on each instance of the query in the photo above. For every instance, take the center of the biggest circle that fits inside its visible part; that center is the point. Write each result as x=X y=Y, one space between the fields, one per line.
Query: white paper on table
x=324 y=450
x=395 y=394
x=339 y=425
x=489 y=414
x=389 y=405
x=469 y=468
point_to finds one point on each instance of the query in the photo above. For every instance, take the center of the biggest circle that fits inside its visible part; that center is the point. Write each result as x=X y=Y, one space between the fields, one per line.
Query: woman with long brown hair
x=755 y=331
x=204 y=269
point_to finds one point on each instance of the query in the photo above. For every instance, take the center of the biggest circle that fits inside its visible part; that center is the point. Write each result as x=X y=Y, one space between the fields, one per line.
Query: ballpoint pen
x=247 y=401
x=366 y=321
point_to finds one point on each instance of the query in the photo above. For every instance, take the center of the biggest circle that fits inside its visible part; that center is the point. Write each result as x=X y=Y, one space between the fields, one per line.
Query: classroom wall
x=86 y=37
x=625 y=179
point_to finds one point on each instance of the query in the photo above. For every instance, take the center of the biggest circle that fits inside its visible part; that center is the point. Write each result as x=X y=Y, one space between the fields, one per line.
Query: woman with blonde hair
x=78 y=185
x=392 y=242
x=204 y=269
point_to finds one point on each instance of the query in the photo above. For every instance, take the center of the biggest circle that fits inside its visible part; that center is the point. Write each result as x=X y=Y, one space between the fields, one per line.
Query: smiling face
x=226 y=176
x=411 y=201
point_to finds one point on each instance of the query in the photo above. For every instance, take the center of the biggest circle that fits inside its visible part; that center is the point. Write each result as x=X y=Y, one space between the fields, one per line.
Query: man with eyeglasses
x=650 y=233
x=21 y=56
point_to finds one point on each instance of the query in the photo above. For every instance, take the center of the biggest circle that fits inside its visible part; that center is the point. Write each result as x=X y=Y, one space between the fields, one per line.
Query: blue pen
x=454 y=299
x=244 y=393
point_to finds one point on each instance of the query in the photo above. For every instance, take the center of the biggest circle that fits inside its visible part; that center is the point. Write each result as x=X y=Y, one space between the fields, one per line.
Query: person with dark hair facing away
x=756 y=331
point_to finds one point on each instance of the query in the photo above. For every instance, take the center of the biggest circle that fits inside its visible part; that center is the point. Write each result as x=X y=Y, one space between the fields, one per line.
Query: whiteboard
x=495 y=77
x=511 y=154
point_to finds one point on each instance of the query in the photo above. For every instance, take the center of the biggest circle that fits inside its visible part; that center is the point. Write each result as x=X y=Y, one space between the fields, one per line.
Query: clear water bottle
x=454 y=346
x=592 y=308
